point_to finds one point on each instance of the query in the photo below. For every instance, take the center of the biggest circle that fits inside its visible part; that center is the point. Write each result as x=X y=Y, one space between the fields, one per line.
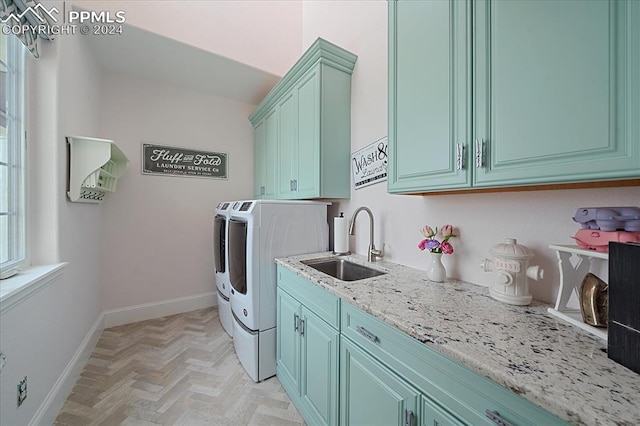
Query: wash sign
x=173 y=161
x=369 y=164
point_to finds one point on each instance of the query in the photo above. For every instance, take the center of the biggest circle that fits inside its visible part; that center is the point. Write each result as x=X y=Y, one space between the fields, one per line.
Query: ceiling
x=155 y=57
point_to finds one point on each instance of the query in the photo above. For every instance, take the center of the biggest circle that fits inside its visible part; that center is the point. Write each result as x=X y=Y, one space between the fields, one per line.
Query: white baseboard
x=153 y=310
x=53 y=402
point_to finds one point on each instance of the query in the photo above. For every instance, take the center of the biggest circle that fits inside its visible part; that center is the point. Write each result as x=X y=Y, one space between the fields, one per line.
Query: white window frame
x=13 y=246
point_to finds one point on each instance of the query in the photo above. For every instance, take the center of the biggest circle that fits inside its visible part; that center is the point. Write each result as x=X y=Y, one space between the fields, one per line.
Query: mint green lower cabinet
x=433 y=415
x=288 y=341
x=371 y=394
x=340 y=365
x=319 y=378
x=307 y=347
x=451 y=394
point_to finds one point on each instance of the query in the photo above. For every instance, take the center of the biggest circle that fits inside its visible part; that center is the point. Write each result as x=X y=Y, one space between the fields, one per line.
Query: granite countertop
x=554 y=365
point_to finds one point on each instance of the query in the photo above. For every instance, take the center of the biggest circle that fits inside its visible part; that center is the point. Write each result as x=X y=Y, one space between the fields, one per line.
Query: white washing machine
x=221 y=264
x=259 y=231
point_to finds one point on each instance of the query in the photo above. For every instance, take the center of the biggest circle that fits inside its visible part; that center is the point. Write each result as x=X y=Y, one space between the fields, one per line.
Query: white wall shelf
x=95 y=165
x=571 y=276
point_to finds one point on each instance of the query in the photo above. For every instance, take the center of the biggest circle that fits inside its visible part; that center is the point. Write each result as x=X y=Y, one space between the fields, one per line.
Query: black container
x=624 y=304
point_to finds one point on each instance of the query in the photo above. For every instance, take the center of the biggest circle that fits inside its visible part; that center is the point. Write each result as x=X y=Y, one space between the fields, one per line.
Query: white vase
x=436 y=271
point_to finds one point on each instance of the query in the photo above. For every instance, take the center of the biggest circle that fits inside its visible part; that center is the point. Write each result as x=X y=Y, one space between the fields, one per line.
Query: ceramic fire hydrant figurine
x=510 y=267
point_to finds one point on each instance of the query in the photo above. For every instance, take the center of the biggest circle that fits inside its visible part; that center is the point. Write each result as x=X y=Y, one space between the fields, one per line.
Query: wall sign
x=369 y=164
x=172 y=161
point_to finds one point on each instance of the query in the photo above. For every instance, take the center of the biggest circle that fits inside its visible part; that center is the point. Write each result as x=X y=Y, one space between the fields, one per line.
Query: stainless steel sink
x=342 y=269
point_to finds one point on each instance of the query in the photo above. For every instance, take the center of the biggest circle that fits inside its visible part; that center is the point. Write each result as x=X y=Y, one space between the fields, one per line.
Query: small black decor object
x=624 y=299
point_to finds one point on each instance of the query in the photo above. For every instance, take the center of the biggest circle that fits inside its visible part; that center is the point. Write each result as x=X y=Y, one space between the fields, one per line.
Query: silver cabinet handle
x=302 y=327
x=495 y=417
x=479 y=153
x=296 y=322
x=459 y=156
x=262 y=190
x=295 y=184
x=367 y=334
x=409 y=418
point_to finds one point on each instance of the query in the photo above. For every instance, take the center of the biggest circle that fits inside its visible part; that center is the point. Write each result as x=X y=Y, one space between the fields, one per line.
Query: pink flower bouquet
x=433 y=244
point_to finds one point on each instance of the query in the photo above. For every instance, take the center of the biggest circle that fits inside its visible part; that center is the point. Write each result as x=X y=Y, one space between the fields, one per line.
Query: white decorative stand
x=571 y=277
x=95 y=165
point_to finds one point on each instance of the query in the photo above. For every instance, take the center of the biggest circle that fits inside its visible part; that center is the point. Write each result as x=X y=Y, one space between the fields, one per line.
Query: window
x=12 y=157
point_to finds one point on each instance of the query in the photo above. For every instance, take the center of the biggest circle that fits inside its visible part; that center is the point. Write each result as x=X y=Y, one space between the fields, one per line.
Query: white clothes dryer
x=260 y=231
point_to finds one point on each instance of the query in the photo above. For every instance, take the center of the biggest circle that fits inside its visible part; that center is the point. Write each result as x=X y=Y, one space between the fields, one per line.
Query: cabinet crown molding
x=320 y=52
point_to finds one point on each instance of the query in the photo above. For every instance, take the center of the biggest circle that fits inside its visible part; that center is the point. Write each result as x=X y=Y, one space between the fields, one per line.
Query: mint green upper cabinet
x=313 y=103
x=490 y=93
x=259 y=160
x=265 y=149
x=287 y=144
x=429 y=95
x=555 y=91
x=308 y=174
x=299 y=159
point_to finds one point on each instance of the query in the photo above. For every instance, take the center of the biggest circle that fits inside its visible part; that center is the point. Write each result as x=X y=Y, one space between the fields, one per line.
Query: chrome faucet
x=373 y=253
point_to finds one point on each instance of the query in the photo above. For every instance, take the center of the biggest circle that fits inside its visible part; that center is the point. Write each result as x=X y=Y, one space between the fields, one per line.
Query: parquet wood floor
x=176 y=370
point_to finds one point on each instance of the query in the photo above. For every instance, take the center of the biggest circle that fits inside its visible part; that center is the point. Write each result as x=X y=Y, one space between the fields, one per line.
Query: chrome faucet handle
x=374 y=253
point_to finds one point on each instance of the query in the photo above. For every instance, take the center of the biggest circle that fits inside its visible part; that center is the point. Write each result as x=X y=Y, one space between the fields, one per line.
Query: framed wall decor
x=369 y=164
x=185 y=162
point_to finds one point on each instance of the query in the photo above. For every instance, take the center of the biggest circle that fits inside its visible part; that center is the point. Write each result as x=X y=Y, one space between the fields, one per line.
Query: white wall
x=148 y=242
x=43 y=334
x=157 y=229
x=264 y=34
x=536 y=219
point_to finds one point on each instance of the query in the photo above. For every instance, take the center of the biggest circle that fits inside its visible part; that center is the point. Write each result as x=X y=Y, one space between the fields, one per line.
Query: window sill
x=21 y=286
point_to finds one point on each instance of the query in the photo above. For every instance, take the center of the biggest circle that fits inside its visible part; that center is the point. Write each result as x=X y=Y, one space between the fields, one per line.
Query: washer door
x=219 y=242
x=238 y=255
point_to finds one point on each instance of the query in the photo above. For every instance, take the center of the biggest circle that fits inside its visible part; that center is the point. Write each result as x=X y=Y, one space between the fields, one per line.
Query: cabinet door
x=288 y=342
x=307 y=168
x=270 y=155
x=554 y=90
x=434 y=415
x=429 y=95
x=287 y=145
x=371 y=394
x=319 y=369
x=259 y=159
